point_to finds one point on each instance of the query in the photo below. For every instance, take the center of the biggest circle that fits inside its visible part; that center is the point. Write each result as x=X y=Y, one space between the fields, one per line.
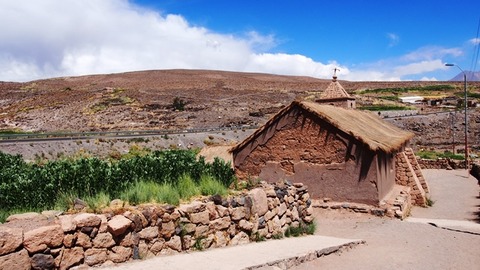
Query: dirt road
x=395 y=244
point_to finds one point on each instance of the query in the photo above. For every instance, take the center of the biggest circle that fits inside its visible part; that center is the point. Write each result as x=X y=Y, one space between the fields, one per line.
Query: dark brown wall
x=305 y=149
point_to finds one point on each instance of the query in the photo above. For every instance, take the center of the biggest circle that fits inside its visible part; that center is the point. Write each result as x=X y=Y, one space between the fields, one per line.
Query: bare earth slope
x=144 y=100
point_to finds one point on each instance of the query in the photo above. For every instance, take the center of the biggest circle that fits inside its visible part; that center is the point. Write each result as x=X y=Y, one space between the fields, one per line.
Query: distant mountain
x=471 y=76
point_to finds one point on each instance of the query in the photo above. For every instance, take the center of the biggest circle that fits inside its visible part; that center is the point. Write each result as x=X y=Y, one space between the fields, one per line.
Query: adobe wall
x=300 y=150
x=124 y=234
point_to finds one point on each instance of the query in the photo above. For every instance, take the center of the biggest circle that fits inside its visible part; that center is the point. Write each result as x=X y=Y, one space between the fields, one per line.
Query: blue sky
x=367 y=40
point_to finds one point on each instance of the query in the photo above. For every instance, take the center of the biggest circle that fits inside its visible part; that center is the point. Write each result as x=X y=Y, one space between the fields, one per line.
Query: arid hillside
x=180 y=99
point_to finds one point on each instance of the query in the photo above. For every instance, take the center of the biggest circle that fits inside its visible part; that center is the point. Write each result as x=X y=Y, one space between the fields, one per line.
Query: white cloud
x=69 y=37
x=393 y=39
x=432 y=52
x=51 y=38
x=474 y=41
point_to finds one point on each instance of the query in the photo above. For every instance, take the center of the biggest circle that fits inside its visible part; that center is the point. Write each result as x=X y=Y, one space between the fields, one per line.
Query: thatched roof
x=334 y=91
x=220 y=151
x=363 y=126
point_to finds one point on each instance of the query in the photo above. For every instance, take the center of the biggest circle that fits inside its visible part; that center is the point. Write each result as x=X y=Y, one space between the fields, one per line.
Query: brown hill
x=144 y=100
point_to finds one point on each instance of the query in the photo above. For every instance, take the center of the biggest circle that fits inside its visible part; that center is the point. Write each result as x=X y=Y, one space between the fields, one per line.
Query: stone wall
x=441 y=163
x=409 y=174
x=123 y=234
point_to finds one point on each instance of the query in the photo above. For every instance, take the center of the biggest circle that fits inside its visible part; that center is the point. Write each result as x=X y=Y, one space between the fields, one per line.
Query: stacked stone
x=150 y=230
x=441 y=163
x=416 y=168
x=406 y=176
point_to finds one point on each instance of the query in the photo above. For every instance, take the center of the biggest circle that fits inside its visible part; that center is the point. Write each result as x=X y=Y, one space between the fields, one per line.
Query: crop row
x=37 y=186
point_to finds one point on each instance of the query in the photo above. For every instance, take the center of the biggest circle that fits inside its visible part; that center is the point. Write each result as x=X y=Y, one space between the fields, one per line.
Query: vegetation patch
x=169 y=174
x=436 y=155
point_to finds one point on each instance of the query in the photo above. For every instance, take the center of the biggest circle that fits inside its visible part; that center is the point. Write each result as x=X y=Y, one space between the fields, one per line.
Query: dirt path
x=395 y=244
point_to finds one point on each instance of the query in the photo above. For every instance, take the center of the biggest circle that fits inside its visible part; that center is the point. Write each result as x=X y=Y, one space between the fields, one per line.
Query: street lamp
x=466 y=107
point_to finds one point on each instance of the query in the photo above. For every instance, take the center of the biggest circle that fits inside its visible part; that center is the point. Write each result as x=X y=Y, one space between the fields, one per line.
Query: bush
x=31 y=185
x=210 y=186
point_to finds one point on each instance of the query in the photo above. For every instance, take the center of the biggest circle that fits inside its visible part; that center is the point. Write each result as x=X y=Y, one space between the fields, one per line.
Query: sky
x=368 y=40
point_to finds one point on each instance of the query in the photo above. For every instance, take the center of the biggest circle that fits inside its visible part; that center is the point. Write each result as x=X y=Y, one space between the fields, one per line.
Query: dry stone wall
x=409 y=174
x=86 y=239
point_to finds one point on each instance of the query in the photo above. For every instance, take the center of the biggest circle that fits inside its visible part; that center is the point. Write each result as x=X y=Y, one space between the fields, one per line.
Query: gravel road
x=395 y=244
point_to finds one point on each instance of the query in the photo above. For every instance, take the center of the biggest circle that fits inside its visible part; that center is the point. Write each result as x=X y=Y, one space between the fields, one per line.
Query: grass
x=210 y=186
x=436 y=155
x=429 y=202
x=301 y=230
x=187 y=188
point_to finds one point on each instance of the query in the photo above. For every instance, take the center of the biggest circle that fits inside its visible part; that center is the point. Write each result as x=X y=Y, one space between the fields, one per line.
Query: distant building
x=411 y=99
x=336 y=95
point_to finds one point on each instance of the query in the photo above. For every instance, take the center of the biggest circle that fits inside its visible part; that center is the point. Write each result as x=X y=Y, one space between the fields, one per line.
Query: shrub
x=210 y=186
x=187 y=188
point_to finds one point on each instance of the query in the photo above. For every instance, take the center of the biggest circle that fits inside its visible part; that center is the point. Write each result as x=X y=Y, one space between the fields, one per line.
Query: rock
x=240 y=239
x=189 y=228
x=175 y=243
x=259 y=201
x=138 y=220
x=148 y=233
x=67 y=223
x=237 y=213
x=269 y=215
x=103 y=240
x=157 y=246
x=130 y=240
x=18 y=261
x=295 y=215
x=116 y=204
x=220 y=239
x=71 y=257
x=44 y=237
x=51 y=214
x=95 y=256
x=42 y=261
x=79 y=204
x=168 y=229
x=69 y=240
x=83 y=240
x=222 y=211
x=201 y=231
x=10 y=239
x=118 y=225
x=87 y=220
x=25 y=216
x=220 y=224
x=216 y=199
x=103 y=225
x=245 y=225
x=119 y=254
x=193 y=207
x=200 y=218
x=282 y=209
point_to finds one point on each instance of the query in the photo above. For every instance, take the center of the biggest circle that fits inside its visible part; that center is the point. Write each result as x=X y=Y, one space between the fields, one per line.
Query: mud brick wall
x=86 y=239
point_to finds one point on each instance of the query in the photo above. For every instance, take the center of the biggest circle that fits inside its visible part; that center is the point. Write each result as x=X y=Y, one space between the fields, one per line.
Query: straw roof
x=220 y=151
x=363 y=126
x=334 y=90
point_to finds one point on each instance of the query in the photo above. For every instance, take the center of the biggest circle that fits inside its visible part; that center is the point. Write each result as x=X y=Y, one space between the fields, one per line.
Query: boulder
x=10 y=239
x=18 y=261
x=118 y=225
x=200 y=217
x=103 y=240
x=71 y=257
x=175 y=243
x=148 y=233
x=119 y=254
x=83 y=240
x=259 y=201
x=26 y=216
x=240 y=239
x=44 y=237
x=87 y=220
x=67 y=223
x=43 y=261
x=95 y=256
